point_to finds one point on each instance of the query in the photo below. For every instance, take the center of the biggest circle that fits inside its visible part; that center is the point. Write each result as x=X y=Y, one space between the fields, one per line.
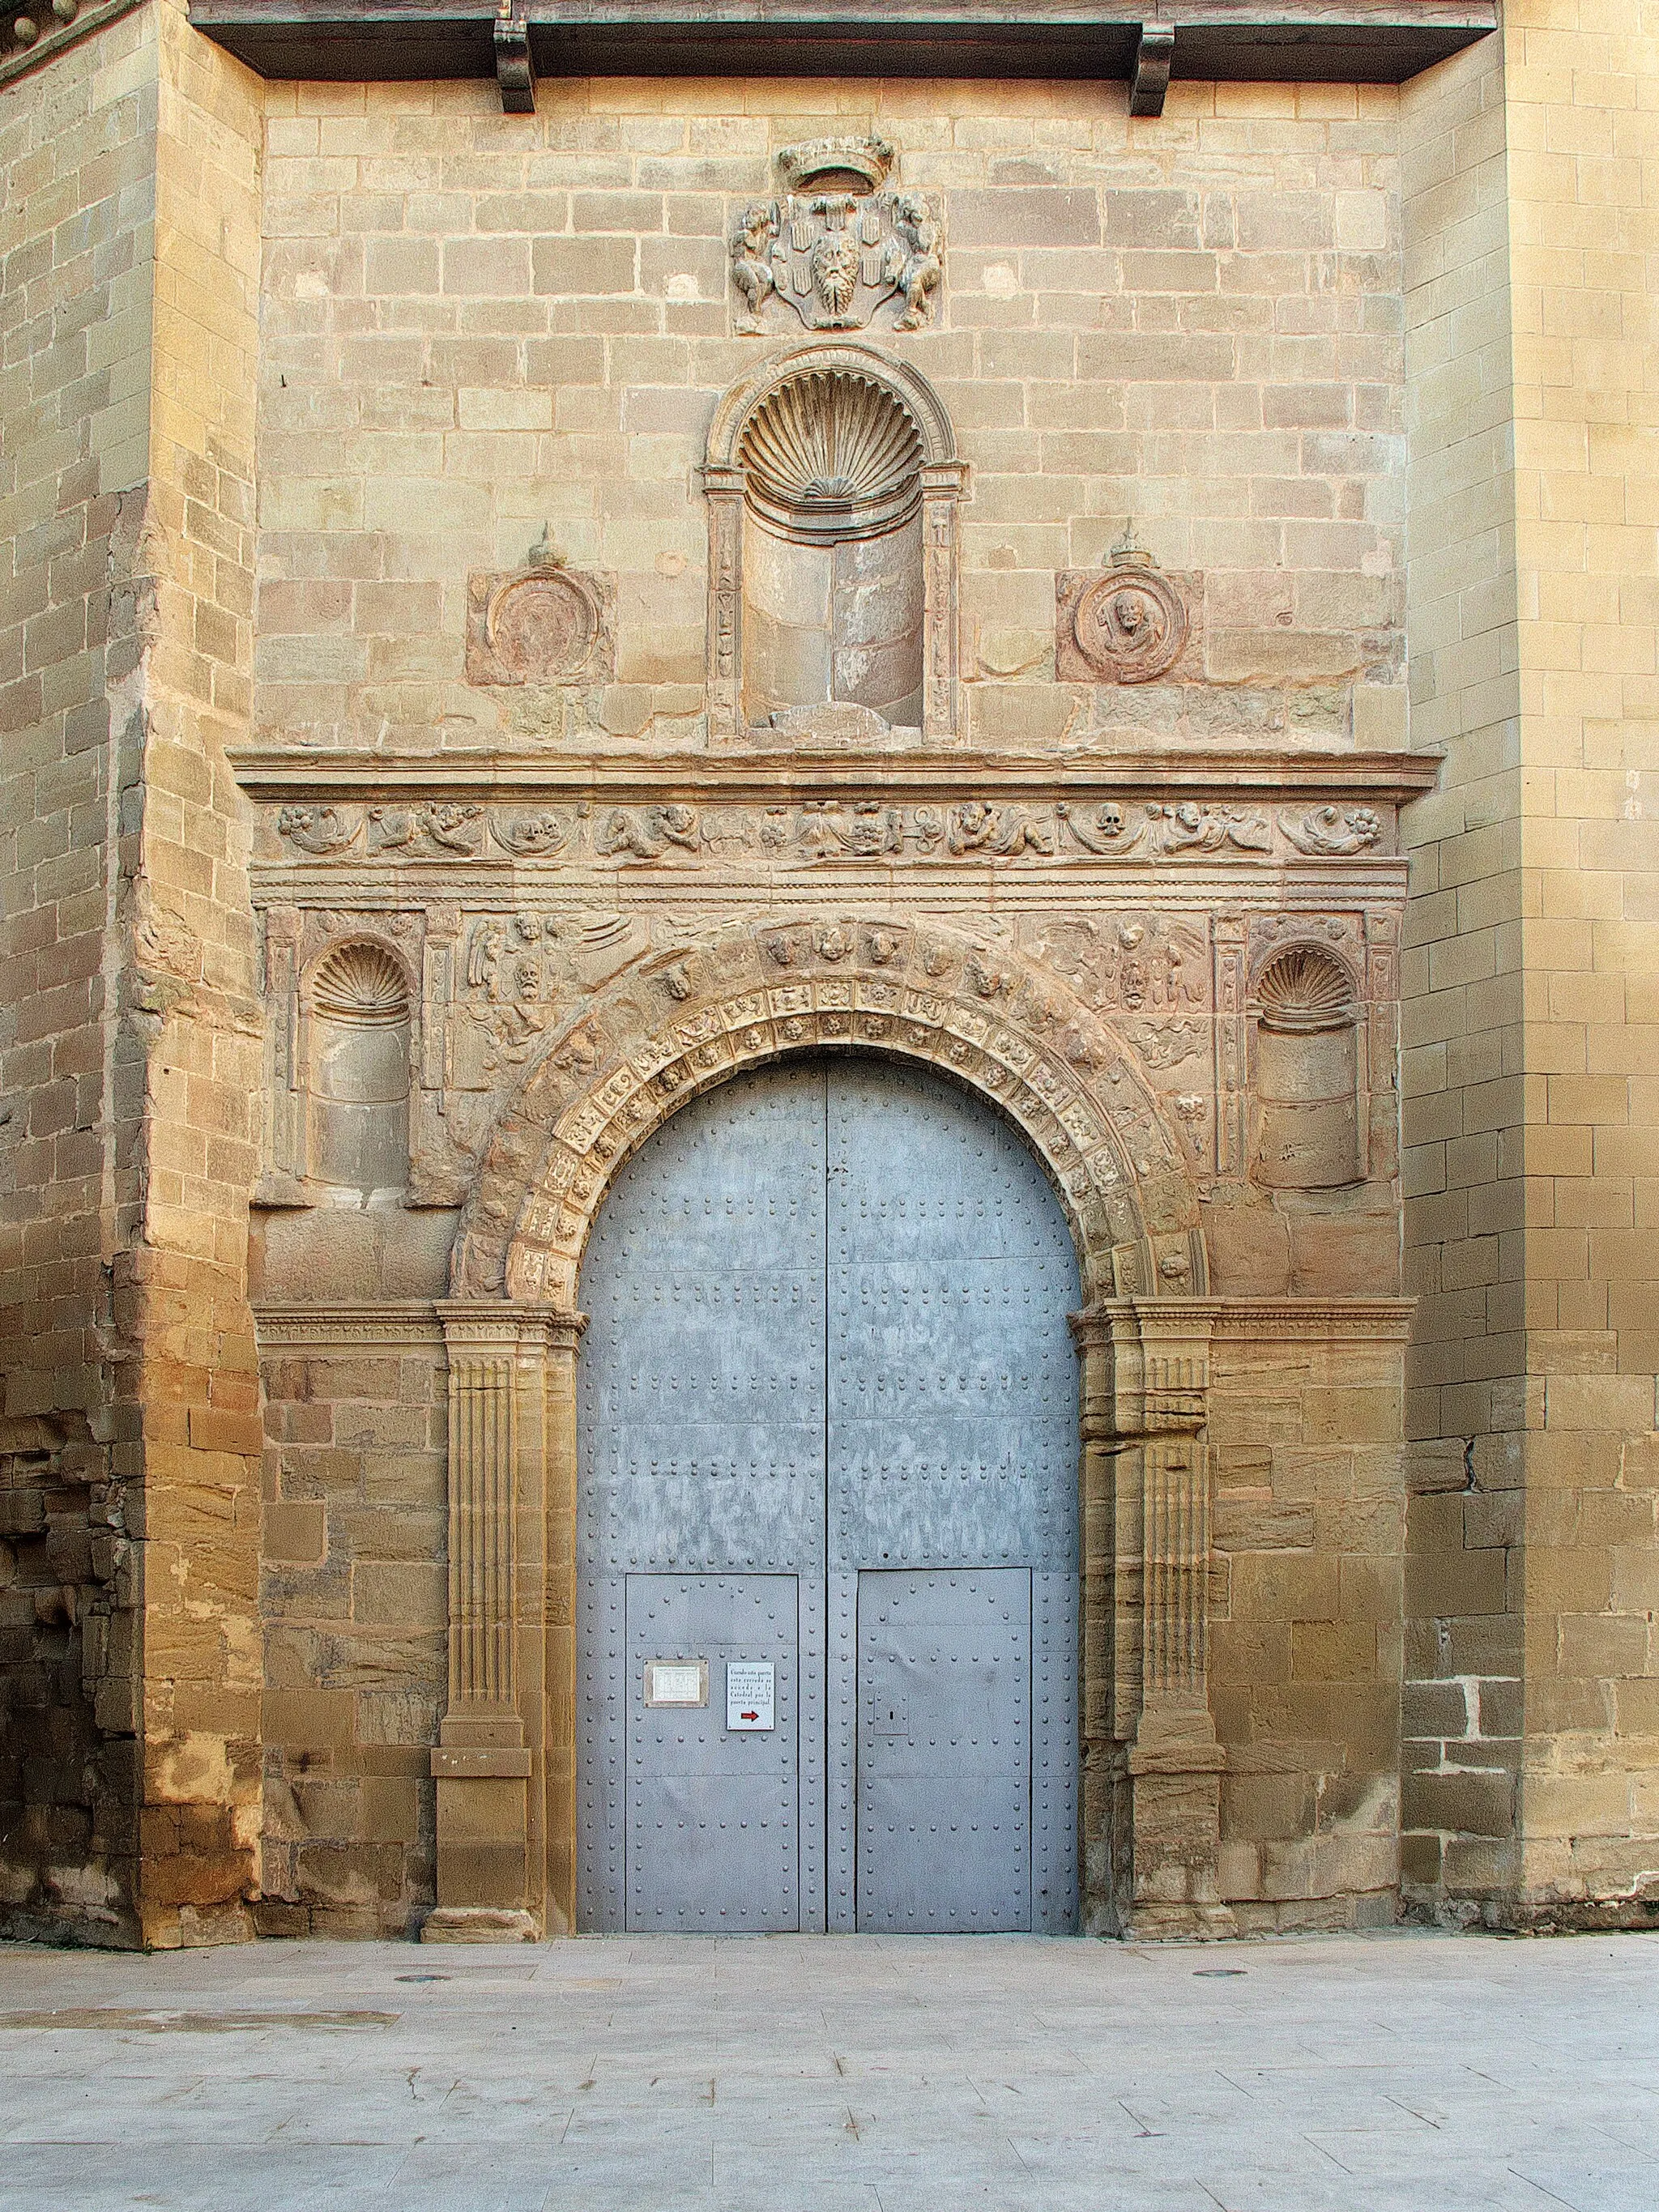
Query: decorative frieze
x=676 y=833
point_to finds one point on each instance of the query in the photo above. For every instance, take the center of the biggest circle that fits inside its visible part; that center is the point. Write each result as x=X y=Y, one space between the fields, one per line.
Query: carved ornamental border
x=351 y=817
x=740 y=994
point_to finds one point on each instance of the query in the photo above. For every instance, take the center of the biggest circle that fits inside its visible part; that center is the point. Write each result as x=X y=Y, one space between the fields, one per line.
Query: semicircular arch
x=677 y=1023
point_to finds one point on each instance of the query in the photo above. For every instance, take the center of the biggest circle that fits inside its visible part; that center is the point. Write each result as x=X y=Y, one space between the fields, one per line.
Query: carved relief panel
x=836 y=250
x=544 y=624
x=1129 y=624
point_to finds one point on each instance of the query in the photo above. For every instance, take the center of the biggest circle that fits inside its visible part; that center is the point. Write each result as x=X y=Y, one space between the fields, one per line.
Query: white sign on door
x=749 y=1693
x=677 y=1681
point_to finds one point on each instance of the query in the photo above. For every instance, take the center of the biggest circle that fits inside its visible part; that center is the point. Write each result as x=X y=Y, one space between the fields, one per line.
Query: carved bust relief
x=1126 y=624
x=836 y=251
x=544 y=624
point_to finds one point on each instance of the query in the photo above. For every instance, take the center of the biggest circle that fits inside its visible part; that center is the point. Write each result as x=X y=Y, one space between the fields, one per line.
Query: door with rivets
x=827 y=1419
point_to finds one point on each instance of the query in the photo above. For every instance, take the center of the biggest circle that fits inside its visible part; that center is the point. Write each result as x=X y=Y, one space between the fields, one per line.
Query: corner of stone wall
x=129 y=1656
x=1462 y=1100
x=190 y=1394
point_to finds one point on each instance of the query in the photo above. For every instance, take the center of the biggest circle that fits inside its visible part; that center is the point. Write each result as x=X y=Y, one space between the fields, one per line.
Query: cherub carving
x=912 y=261
x=751 y=264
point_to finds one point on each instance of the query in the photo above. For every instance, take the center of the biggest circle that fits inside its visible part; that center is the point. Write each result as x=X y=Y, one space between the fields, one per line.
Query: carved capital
x=1155 y=1359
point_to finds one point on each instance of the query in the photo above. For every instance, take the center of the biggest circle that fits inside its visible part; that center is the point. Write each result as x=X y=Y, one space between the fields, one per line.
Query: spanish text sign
x=749 y=1693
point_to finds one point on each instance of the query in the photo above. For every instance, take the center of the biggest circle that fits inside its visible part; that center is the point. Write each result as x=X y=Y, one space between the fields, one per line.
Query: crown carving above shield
x=836 y=165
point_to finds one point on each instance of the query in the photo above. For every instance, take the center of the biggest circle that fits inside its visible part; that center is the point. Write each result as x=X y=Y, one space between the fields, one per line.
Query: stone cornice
x=290 y=1327
x=623 y=779
x=1331 y=41
x=53 y=35
x=1314 y=1320
x=1303 y=1320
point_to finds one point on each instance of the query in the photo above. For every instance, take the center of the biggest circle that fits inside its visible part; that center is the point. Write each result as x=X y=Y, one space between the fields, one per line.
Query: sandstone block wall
x=77 y=147
x=1308 y=1505
x=355 y=1595
x=133 y=1661
x=1530 y=1107
x=479 y=326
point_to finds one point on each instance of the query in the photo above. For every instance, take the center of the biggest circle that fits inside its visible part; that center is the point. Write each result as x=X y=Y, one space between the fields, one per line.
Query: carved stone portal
x=542 y=625
x=1126 y=624
x=834 y=250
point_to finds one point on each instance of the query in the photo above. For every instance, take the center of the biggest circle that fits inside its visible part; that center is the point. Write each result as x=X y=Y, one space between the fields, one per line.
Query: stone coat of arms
x=837 y=246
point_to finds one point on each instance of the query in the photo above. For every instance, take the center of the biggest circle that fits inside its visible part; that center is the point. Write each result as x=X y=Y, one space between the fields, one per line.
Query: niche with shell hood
x=832 y=485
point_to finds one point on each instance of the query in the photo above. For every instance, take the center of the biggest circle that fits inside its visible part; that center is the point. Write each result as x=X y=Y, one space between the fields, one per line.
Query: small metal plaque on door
x=677 y=1681
x=749 y=1695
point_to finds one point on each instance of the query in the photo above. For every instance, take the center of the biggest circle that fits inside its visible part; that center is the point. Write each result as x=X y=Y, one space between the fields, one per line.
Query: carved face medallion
x=1130 y=625
x=541 y=627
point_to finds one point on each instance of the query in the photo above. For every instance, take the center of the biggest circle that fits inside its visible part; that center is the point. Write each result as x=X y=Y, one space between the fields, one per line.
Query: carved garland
x=664 y=1031
x=807 y=834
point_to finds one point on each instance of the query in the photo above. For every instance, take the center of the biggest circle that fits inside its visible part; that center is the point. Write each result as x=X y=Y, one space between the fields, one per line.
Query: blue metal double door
x=827 y=1572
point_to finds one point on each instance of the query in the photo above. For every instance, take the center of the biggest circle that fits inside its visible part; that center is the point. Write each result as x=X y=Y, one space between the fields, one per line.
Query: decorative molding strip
x=53 y=25
x=961 y=828
x=477 y=778
x=1328 y=41
x=1313 y=1321
x=399 y=1325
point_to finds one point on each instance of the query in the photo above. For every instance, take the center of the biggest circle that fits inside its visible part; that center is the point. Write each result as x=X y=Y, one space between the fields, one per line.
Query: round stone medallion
x=542 y=627
x=1130 y=625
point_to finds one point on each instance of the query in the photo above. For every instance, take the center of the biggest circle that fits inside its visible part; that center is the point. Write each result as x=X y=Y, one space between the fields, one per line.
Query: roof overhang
x=1319 y=41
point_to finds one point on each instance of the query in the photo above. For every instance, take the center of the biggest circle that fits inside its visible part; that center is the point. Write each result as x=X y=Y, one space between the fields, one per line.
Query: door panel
x=952 y=1414
x=714 y=1817
x=701 y=1420
x=827 y=1339
x=945 y=1752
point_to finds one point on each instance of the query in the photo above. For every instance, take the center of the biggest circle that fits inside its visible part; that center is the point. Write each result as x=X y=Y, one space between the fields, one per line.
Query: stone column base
x=480 y=1924
x=1176 y=1766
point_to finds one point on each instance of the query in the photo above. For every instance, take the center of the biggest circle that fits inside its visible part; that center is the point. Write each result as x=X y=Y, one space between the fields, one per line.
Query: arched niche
x=355 y=1008
x=1306 y=1076
x=832 y=482
x=675 y=1024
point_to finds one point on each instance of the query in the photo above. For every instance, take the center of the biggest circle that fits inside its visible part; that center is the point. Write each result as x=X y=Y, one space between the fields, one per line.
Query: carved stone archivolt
x=1129 y=623
x=544 y=624
x=837 y=248
x=750 y=993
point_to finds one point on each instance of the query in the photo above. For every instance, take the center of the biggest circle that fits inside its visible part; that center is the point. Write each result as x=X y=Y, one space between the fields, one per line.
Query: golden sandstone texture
x=510 y=620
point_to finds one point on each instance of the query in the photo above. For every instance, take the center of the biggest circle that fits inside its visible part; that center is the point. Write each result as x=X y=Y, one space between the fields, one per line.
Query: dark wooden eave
x=1320 y=41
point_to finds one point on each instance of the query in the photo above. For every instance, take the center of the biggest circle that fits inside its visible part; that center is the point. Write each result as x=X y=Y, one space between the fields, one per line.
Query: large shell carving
x=361 y=985
x=830 y=455
x=1303 y=989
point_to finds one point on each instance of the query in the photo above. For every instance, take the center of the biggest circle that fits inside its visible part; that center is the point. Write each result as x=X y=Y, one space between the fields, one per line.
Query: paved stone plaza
x=1395 y=2072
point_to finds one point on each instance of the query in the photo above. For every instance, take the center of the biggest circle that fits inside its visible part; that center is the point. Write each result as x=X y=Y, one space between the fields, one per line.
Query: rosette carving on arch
x=679 y=1021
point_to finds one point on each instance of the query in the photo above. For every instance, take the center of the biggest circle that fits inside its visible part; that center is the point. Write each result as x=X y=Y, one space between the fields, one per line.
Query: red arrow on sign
x=748 y=1717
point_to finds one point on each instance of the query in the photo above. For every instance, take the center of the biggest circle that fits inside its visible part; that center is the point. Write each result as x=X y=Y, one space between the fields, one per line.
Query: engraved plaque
x=677 y=1681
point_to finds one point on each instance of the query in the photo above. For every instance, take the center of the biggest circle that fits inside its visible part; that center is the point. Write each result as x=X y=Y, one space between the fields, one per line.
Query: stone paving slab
x=1389 y=2073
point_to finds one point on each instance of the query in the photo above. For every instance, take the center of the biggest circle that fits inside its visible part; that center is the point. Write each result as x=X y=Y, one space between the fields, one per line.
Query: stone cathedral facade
x=828 y=1043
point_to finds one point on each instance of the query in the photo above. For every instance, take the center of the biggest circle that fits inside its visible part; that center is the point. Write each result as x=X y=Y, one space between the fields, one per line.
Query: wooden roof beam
x=1147 y=43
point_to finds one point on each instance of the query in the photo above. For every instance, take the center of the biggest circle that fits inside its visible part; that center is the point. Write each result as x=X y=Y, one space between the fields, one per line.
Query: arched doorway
x=827 y=1530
